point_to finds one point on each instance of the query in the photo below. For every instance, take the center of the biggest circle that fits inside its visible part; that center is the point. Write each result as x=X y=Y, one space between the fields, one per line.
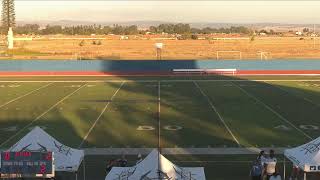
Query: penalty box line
x=272 y=110
x=24 y=95
x=100 y=115
x=216 y=111
x=41 y=115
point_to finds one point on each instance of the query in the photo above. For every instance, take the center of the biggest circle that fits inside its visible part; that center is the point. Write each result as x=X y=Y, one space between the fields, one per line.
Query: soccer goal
x=263 y=55
x=229 y=55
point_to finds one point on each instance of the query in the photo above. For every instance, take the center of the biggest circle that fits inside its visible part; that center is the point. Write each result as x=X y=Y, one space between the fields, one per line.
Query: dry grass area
x=275 y=48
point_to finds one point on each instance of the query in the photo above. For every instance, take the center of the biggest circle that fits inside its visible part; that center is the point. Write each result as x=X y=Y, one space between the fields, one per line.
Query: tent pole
x=76 y=175
x=284 y=166
x=304 y=176
x=84 y=169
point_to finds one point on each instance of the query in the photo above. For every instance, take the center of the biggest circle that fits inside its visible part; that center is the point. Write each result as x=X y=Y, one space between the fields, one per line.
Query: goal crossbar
x=234 y=52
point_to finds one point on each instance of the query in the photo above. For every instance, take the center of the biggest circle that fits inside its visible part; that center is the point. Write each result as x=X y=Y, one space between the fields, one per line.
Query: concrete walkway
x=180 y=151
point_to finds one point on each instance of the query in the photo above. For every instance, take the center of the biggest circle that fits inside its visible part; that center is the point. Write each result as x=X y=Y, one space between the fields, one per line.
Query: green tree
x=153 y=29
x=8 y=14
x=27 y=29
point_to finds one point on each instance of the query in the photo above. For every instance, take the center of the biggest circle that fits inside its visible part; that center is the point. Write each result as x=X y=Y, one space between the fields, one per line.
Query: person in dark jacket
x=256 y=170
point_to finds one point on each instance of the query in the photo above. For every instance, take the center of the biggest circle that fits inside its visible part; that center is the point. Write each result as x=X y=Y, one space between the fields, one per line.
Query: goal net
x=229 y=55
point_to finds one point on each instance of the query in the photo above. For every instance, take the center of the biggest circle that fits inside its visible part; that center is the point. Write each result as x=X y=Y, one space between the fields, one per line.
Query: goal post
x=263 y=55
x=235 y=54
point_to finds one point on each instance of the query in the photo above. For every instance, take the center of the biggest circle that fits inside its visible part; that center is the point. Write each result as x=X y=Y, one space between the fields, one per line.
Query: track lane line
x=22 y=96
x=98 y=118
x=272 y=110
x=45 y=112
x=216 y=111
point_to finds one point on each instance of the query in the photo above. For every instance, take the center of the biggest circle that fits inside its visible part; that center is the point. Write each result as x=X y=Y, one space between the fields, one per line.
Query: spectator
x=295 y=173
x=262 y=158
x=110 y=164
x=123 y=161
x=270 y=165
x=256 y=171
x=139 y=159
x=275 y=176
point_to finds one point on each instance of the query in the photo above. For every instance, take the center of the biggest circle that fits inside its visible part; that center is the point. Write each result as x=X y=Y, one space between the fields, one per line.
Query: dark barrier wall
x=153 y=65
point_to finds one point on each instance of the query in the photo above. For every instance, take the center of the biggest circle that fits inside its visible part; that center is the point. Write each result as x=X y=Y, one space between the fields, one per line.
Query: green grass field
x=193 y=112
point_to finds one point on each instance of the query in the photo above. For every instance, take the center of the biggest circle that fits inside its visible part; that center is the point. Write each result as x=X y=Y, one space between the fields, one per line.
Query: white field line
x=159 y=124
x=98 y=118
x=236 y=80
x=142 y=75
x=277 y=74
x=17 y=98
x=273 y=111
x=166 y=80
x=83 y=81
x=216 y=111
x=159 y=121
x=296 y=95
x=45 y=112
x=221 y=162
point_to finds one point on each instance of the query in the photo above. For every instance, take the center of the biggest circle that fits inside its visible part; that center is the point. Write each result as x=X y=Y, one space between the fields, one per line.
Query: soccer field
x=209 y=115
x=188 y=112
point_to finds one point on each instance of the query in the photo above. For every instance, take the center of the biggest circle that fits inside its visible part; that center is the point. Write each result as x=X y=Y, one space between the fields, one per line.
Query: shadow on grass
x=247 y=107
x=251 y=109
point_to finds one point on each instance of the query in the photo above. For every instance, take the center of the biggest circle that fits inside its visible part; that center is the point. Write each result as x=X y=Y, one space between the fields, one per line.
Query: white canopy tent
x=155 y=166
x=65 y=158
x=306 y=157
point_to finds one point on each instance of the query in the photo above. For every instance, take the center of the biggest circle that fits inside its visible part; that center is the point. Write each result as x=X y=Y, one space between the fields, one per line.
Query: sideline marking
x=273 y=111
x=159 y=121
x=17 y=98
x=216 y=111
x=37 y=118
x=98 y=118
x=164 y=75
x=173 y=80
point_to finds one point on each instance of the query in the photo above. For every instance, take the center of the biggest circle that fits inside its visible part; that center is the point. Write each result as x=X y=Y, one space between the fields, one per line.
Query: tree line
x=179 y=28
x=185 y=29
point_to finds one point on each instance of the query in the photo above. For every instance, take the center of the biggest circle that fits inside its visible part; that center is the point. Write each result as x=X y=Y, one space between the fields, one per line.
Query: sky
x=299 y=12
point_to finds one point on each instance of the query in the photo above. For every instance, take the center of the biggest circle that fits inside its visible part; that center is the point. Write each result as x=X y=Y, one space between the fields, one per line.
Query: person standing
x=139 y=159
x=262 y=158
x=276 y=176
x=270 y=165
x=123 y=161
x=295 y=173
x=256 y=170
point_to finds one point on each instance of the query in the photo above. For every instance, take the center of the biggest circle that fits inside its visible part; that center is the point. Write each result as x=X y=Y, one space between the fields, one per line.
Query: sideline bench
x=205 y=71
